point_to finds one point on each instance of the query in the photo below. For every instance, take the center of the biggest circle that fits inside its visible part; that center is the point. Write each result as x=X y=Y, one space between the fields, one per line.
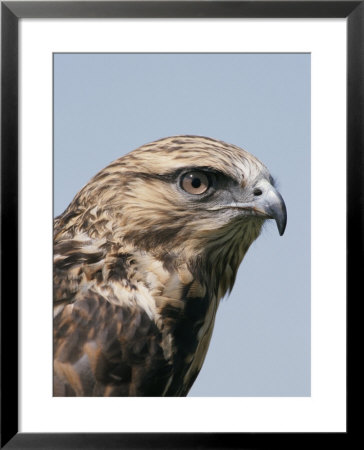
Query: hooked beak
x=269 y=203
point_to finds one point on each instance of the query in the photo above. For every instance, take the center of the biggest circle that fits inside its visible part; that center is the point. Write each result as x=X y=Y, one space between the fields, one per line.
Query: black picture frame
x=11 y=12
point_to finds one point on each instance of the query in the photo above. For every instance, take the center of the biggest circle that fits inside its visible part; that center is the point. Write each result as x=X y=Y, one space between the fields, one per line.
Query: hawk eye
x=195 y=182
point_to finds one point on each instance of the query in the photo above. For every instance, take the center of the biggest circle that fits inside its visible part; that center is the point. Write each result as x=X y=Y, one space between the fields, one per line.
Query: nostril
x=258 y=192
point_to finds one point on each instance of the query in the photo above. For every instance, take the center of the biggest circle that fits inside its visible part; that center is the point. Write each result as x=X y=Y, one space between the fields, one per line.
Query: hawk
x=142 y=257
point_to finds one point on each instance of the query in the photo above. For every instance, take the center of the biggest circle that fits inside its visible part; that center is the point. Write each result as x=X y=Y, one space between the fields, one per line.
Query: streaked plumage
x=142 y=256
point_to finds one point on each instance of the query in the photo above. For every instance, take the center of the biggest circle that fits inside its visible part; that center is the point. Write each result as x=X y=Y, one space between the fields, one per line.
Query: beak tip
x=278 y=211
x=282 y=220
x=281 y=227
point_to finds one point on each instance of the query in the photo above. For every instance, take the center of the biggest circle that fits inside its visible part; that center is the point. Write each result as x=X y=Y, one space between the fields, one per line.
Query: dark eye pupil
x=196 y=182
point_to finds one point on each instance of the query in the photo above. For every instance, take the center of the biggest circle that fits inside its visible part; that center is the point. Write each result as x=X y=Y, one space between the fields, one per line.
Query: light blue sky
x=105 y=105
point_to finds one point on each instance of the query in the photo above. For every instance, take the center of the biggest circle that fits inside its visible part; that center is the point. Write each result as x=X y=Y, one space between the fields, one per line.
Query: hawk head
x=184 y=199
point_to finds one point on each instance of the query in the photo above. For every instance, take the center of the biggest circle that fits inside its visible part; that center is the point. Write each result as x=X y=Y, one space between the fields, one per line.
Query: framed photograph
x=191 y=87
